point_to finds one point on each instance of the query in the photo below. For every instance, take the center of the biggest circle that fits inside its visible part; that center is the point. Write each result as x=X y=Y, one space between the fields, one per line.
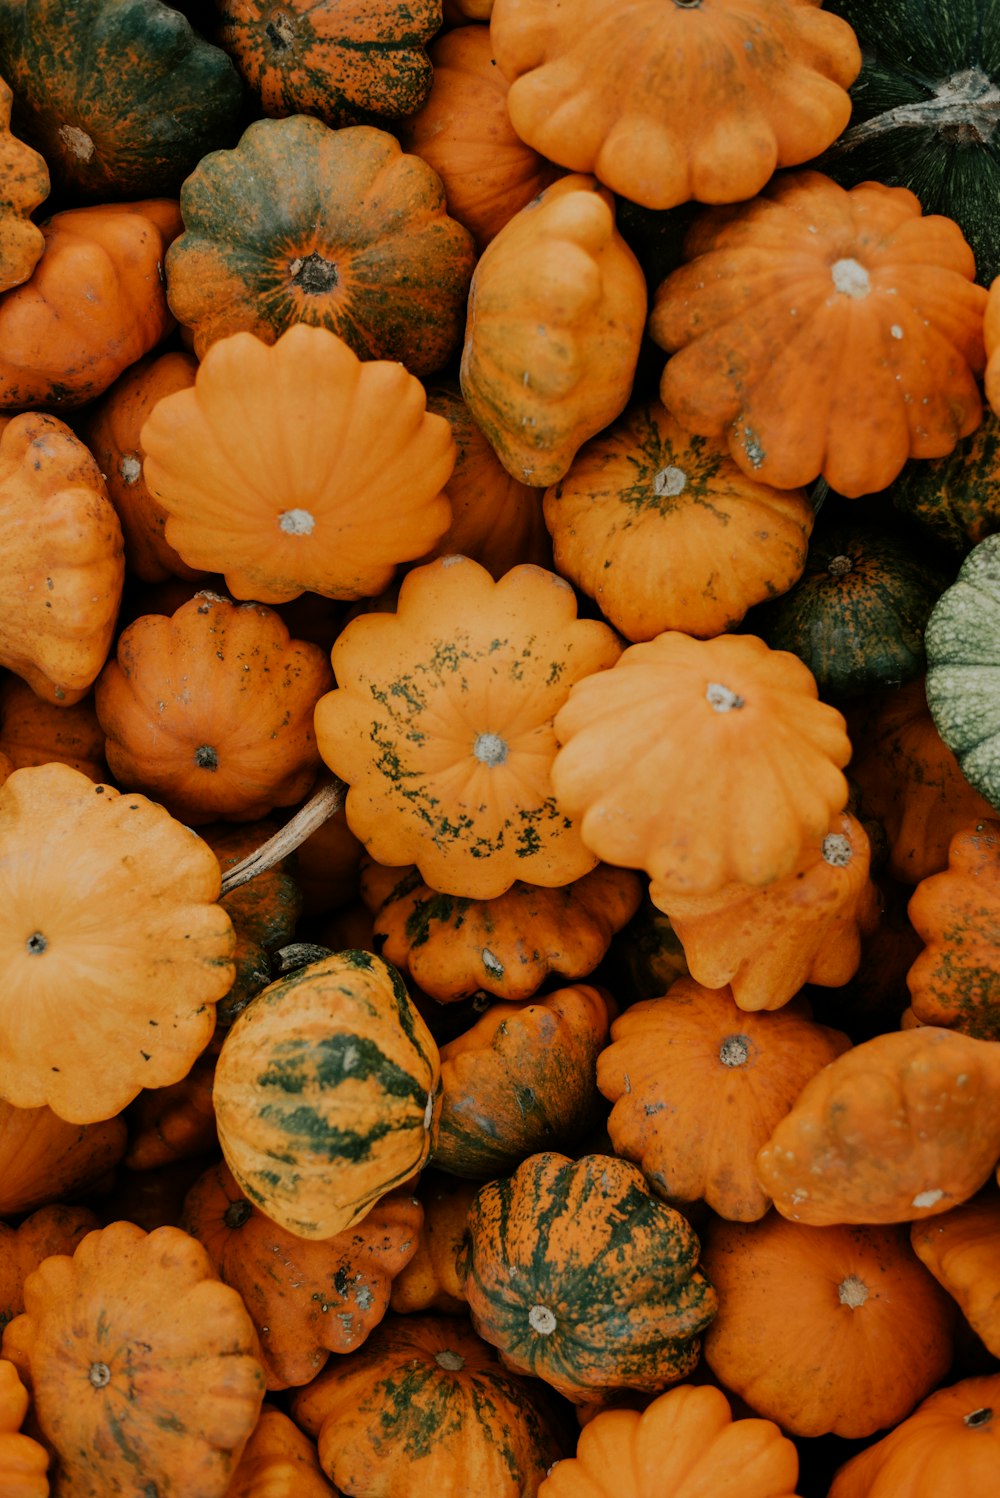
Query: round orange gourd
x=457 y=691
x=824 y=331
x=138 y=1359
x=24 y=1463
x=211 y=710
x=669 y=102
x=700 y=761
x=961 y=1248
x=556 y=313
x=336 y=474
x=684 y=1443
x=62 y=545
x=25 y=179
x=45 y=1159
x=901 y=1127
x=167 y=1124
x=697 y=1086
x=279 y=1461
x=54 y=1229
x=115 y=951
x=432 y=1281
x=34 y=731
x=857 y=1330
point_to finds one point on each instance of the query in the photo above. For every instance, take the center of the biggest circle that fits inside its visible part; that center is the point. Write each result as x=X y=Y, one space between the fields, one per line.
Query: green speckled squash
x=121 y=97
x=857 y=614
x=337 y=228
x=924 y=111
x=956 y=499
x=340 y=61
x=425 y=1407
x=963 y=668
x=327 y=1093
x=583 y=1278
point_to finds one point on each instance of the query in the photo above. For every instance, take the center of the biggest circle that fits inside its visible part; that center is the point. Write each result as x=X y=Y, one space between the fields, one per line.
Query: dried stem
x=326 y=799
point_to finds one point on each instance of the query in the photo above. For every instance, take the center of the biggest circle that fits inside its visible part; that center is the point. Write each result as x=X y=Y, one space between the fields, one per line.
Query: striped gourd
x=327 y=1093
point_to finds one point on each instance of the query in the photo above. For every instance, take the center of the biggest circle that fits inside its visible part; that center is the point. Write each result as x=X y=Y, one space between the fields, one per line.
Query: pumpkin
x=25 y=179
x=955 y=500
x=910 y=780
x=112 y=426
x=556 y=311
x=337 y=475
x=897 y=1129
x=455 y=947
x=264 y=910
x=115 y=950
x=463 y=130
x=963 y=664
x=922 y=112
x=120 y=103
x=961 y=1248
x=581 y=1277
x=431 y=1280
x=857 y=614
x=425 y=1405
x=521 y=1080
x=93 y=305
x=991 y=337
x=36 y=732
x=331 y=60
x=825 y=1330
x=767 y=941
x=954 y=981
x=697 y=1087
x=337 y=228
x=807 y=279
x=23 y=1462
x=44 y=1159
x=663 y=530
x=496 y=520
x=306 y=1299
x=700 y=761
x=441 y=725
x=138 y=1360
x=666 y=103
x=327 y=1093
x=210 y=711
x=685 y=1442
x=950 y=1437
x=278 y=1461
x=176 y=1122
x=63 y=549
x=54 y=1229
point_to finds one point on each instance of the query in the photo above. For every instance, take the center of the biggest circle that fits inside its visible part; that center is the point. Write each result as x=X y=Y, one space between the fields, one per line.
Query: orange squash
x=44 y=1159
x=36 y=732
x=23 y=1462
x=55 y=1229
x=25 y=183
x=961 y=1248
x=279 y=1461
x=432 y=1280
x=991 y=334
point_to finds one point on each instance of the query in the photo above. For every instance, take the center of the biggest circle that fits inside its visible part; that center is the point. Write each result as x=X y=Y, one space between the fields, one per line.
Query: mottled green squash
x=580 y=1276
x=121 y=97
x=956 y=499
x=925 y=111
x=963 y=668
x=857 y=614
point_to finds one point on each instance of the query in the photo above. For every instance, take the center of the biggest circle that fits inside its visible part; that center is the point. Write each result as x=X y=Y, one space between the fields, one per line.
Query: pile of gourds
x=500 y=749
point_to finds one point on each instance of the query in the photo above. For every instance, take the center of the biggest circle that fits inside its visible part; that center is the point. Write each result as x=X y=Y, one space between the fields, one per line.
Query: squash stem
x=326 y=799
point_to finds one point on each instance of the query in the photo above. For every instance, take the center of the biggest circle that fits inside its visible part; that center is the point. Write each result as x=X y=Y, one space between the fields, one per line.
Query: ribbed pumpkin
x=663 y=530
x=899 y=1128
x=950 y=1443
x=327 y=1093
x=25 y=179
x=94 y=303
x=580 y=1276
x=36 y=732
x=278 y=1461
x=697 y=1087
x=55 y=1229
x=457 y=691
x=338 y=228
x=805 y=281
x=685 y=1443
x=955 y=982
x=961 y=1248
x=700 y=761
x=62 y=546
x=115 y=950
x=45 y=1159
x=425 y=1405
x=454 y=947
x=138 y=1360
x=336 y=476
x=23 y=1462
x=121 y=101
x=307 y=1300
x=431 y=1281
x=825 y=1330
x=211 y=710
x=167 y=1124
x=956 y=500
x=767 y=941
x=556 y=311
x=669 y=102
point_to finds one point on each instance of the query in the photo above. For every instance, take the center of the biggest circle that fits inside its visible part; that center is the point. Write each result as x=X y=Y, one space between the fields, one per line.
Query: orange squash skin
x=44 y=1159
x=24 y=1463
x=25 y=179
x=279 y=1461
x=961 y=1248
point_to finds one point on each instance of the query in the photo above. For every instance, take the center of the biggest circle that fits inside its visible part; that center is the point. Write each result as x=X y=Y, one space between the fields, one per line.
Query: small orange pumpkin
x=23 y=1462
x=34 y=731
x=279 y=1461
x=961 y=1248
x=45 y=1159
x=25 y=183
x=55 y=1229
x=432 y=1281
